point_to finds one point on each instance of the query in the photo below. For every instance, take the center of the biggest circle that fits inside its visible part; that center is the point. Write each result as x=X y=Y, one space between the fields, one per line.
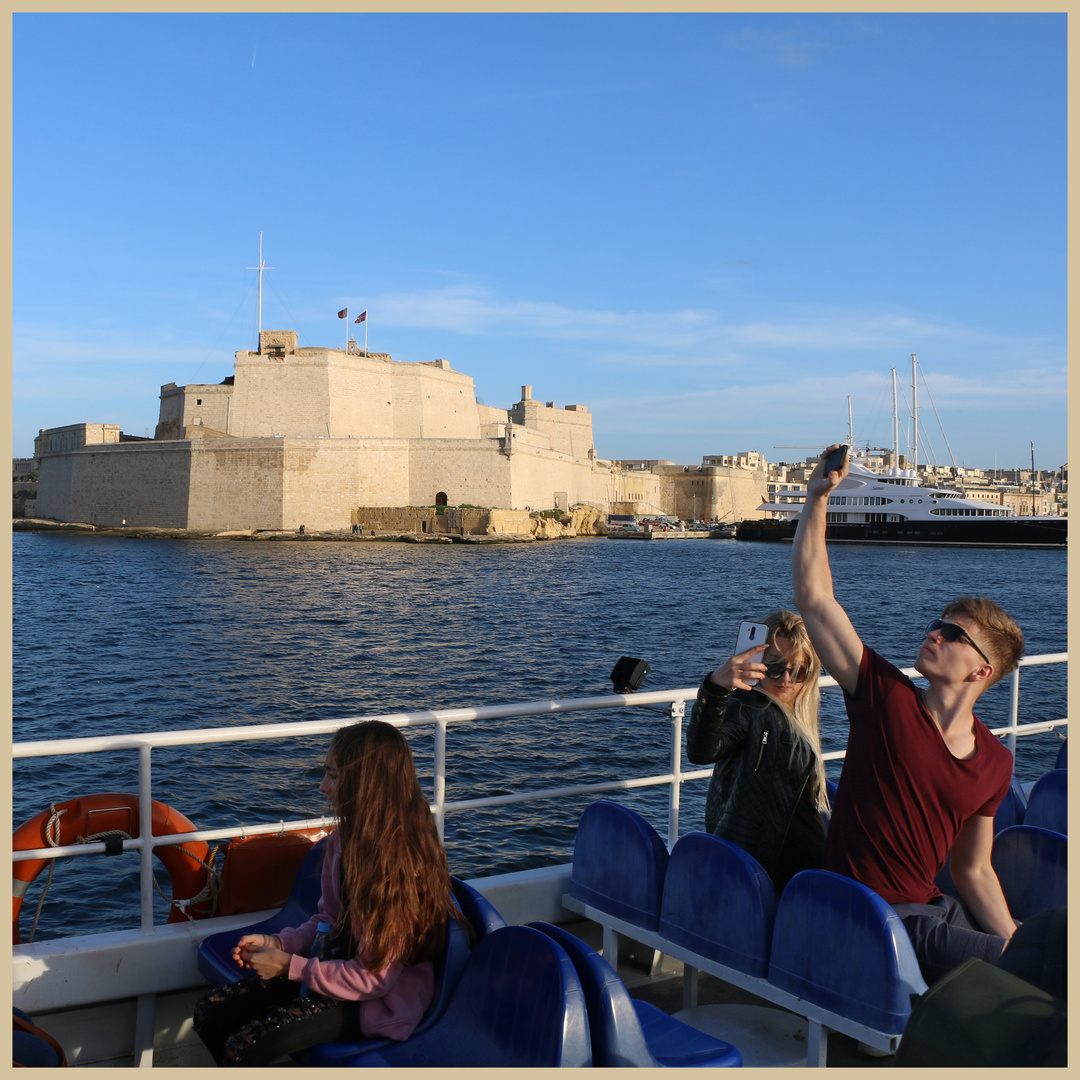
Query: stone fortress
x=330 y=438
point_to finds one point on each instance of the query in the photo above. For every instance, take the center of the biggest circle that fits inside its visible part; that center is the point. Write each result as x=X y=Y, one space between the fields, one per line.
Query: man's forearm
x=981 y=891
x=811 y=575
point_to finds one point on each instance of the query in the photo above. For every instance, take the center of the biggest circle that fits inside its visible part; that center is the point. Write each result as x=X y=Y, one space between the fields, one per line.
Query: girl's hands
x=732 y=674
x=262 y=954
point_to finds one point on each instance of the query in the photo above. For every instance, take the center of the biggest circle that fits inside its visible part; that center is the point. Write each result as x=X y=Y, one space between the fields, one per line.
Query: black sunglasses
x=776 y=672
x=951 y=632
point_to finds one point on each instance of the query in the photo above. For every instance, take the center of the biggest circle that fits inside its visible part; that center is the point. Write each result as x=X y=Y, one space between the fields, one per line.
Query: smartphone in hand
x=835 y=461
x=751 y=635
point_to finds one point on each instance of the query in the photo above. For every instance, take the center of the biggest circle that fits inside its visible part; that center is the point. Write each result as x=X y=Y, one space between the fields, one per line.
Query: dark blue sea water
x=118 y=635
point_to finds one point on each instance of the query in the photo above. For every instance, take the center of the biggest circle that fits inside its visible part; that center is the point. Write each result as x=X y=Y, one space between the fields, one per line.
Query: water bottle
x=320 y=949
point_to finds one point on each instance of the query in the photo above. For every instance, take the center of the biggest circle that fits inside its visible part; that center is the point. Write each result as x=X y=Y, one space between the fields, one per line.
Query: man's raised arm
x=830 y=629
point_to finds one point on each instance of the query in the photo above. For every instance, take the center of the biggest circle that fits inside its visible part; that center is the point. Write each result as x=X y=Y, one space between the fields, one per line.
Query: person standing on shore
x=922 y=776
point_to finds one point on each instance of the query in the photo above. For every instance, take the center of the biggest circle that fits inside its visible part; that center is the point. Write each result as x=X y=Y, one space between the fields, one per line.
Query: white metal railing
x=674 y=700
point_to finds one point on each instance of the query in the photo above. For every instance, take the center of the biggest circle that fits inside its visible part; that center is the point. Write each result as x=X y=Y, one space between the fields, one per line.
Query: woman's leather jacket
x=763 y=768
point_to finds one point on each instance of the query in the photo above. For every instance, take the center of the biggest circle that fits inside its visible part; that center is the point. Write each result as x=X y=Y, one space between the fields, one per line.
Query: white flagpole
x=365 y=333
x=346 y=329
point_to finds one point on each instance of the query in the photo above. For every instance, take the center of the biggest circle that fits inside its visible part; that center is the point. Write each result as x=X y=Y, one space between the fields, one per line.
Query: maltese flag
x=343 y=313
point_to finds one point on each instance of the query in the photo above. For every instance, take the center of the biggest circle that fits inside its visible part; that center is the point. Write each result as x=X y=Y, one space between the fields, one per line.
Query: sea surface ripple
x=115 y=635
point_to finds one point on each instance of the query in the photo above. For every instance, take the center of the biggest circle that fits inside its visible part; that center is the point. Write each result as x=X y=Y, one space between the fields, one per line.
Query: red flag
x=362 y=317
x=343 y=313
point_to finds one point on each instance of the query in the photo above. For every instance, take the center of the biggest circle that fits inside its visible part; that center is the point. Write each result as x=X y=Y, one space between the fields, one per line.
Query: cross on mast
x=261 y=267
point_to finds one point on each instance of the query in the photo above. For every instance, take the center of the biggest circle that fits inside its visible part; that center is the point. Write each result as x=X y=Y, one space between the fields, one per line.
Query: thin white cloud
x=689 y=336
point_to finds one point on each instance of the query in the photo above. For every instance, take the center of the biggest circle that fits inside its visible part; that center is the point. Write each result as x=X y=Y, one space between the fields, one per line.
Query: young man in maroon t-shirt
x=922 y=776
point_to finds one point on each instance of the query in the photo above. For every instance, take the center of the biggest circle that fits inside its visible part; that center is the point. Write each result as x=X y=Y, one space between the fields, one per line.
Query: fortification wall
x=142 y=484
x=235 y=484
x=720 y=493
x=492 y=421
x=194 y=405
x=544 y=480
x=568 y=430
x=471 y=471
x=286 y=396
x=431 y=401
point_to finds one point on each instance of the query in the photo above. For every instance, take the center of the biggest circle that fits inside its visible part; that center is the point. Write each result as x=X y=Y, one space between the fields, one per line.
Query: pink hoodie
x=392 y=1001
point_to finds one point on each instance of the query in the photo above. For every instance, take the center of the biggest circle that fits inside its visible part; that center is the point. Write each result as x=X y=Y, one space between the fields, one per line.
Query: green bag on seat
x=980 y=1015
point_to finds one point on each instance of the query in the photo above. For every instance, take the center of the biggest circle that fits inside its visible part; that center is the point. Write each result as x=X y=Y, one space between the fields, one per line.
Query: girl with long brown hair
x=387 y=895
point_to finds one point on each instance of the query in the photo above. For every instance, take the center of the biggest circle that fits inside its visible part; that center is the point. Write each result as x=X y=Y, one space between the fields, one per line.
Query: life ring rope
x=50 y=830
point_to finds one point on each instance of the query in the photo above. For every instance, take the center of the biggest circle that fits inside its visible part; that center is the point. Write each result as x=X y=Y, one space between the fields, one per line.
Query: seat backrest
x=719 y=901
x=1012 y=809
x=837 y=944
x=619 y=863
x=215 y=952
x=519 y=1004
x=448 y=971
x=477 y=908
x=614 y=1029
x=1047 y=805
x=1032 y=866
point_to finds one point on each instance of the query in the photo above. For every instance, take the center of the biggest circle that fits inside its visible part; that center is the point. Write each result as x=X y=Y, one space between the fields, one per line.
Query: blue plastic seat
x=1032 y=866
x=215 y=961
x=1012 y=809
x=719 y=902
x=477 y=908
x=837 y=944
x=519 y=1004
x=1009 y=813
x=1047 y=806
x=448 y=972
x=619 y=864
x=626 y=1032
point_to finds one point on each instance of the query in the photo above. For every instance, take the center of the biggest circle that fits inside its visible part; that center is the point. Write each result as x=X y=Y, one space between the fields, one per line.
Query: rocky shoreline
x=265 y=535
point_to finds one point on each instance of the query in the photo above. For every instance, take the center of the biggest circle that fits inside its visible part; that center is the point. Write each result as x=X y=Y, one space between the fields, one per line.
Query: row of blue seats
x=829 y=941
x=829 y=949
x=532 y=996
x=1045 y=806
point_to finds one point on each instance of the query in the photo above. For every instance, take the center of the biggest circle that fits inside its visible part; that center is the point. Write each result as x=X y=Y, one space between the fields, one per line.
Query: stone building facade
x=310 y=435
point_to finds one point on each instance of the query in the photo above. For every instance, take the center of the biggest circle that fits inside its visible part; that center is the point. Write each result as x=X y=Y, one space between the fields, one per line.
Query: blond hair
x=802 y=715
x=1003 y=640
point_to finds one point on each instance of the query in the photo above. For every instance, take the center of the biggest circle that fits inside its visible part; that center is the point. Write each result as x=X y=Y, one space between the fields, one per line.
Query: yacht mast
x=914 y=419
x=850 y=426
x=1032 y=445
x=895 y=427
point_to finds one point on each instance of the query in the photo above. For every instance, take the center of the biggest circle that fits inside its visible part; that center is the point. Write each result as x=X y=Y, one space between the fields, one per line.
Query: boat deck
x=766 y=1036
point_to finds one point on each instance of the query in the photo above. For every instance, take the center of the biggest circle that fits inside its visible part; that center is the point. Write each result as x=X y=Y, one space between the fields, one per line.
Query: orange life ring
x=93 y=814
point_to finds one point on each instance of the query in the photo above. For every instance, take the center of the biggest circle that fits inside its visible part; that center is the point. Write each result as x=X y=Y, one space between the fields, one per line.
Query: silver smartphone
x=751 y=635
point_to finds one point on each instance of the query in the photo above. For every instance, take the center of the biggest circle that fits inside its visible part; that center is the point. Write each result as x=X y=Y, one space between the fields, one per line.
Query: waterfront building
x=324 y=438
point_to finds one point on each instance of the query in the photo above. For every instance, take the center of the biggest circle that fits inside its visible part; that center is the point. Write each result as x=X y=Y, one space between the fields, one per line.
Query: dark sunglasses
x=951 y=632
x=776 y=672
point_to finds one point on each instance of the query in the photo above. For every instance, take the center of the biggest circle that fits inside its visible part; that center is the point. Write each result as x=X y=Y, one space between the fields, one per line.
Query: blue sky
x=708 y=228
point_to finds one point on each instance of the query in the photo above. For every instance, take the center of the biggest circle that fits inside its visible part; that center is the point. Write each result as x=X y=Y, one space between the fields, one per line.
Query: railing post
x=1014 y=712
x=677 y=710
x=440 y=777
x=146 y=843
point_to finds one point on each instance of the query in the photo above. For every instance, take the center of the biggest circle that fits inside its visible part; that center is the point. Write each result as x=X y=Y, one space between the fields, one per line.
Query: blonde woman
x=768 y=785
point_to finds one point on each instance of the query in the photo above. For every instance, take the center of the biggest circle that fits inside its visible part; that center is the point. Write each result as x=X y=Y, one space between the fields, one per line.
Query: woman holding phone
x=756 y=717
